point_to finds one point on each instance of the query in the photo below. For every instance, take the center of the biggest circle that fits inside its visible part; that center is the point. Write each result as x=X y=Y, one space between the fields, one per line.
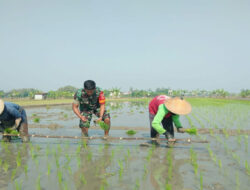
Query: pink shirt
x=154 y=104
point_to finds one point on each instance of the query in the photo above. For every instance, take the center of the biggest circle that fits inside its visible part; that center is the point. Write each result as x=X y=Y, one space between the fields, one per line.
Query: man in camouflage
x=87 y=101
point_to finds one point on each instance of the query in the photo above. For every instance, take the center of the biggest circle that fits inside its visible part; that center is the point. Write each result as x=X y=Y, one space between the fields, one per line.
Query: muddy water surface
x=105 y=164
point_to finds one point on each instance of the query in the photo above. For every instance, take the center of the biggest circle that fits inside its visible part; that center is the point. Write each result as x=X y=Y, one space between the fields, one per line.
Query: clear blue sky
x=182 y=44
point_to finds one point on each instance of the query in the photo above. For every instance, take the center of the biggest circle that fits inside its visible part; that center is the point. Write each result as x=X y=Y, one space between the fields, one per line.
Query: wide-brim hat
x=178 y=106
x=1 y=106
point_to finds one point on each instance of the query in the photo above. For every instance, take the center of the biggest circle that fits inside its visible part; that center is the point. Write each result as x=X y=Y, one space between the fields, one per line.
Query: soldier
x=165 y=110
x=14 y=117
x=89 y=100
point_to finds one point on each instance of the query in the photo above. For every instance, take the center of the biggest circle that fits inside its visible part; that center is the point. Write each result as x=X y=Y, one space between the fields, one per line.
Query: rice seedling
x=38 y=183
x=1 y=162
x=218 y=139
x=25 y=169
x=78 y=158
x=47 y=151
x=11 y=131
x=18 y=186
x=247 y=168
x=36 y=120
x=68 y=158
x=65 y=185
x=49 y=169
x=246 y=142
x=121 y=168
x=131 y=132
x=18 y=159
x=13 y=174
x=101 y=147
x=65 y=116
x=89 y=156
x=225 y=132
x=168 y=186
x=84 y=142
x=69 y=170
x=237 y=181
x=211 y=132
x=220 y=164
x=191 y=131
x=239 y=139
x=59 y=176
x=34 y=115
x=5 y=167
x=150 y=153
x=57 y=162
x=103 y=125
x=59 y=149
x=145 y=171
x=112 y=154
x=193 y=158
x=236 y=157
x=137 y=185
x=201 y=181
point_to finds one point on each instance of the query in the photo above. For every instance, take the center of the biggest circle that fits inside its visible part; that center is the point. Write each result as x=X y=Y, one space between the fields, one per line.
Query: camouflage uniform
x=89 y=105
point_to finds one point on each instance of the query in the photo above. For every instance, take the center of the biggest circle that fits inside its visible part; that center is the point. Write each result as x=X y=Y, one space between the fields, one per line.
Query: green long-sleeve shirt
x=161 y=113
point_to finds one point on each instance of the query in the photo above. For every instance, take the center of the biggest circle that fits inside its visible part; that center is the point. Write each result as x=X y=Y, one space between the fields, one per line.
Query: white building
x=40 y=96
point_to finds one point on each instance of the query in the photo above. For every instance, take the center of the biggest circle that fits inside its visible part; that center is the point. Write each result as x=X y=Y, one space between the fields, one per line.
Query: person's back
x=10 y=112
x=13 y=117
x=155 y=102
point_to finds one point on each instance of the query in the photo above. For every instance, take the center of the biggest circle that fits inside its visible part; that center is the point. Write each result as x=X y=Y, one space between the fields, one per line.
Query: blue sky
x=142 y=44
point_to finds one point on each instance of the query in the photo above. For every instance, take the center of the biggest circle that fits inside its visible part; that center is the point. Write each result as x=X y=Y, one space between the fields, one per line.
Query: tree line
x=69 y=91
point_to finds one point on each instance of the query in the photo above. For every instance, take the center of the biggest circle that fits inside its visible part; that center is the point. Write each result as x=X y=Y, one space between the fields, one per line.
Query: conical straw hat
x=1 y=106
x=178 y=106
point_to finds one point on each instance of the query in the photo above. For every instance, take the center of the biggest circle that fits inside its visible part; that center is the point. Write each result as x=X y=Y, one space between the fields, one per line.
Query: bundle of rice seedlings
x=131 y=132
x=191 y=131
x=103 y=125
x=11 y=131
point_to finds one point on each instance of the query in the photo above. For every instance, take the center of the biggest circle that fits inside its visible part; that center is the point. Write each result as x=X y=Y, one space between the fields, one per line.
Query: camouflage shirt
x=88 y=103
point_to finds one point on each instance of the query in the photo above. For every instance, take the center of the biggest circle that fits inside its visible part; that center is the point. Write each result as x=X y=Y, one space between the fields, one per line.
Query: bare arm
x=102 y=108
x=17 y=123
x=77 y=112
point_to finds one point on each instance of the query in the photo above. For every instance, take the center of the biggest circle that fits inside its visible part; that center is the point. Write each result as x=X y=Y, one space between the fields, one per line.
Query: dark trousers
x=167 y=124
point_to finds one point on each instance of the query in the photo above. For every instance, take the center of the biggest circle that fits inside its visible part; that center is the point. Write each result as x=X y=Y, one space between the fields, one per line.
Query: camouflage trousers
x=88 y=115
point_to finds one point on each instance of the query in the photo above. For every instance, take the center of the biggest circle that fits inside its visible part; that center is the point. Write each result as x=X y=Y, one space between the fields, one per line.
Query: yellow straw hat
x=1 y=106
x=178 y=106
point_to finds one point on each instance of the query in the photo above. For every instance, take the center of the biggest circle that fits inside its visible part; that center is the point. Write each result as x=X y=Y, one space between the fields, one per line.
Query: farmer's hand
x=83 y=118
x=181 y=130
x=99 y=119
x=14 y=127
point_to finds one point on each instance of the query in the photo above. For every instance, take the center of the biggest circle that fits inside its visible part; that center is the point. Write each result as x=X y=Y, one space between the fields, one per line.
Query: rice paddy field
x=217 y=158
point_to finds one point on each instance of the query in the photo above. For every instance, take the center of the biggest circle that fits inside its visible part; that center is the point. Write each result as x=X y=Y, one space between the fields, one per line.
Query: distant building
x=170 y=92
x=40 y=96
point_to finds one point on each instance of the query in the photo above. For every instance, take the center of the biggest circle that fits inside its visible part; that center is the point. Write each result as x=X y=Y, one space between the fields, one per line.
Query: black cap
x=89 y=85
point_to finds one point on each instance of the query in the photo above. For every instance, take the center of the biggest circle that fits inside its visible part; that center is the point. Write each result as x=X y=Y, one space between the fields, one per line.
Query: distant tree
x=220 y=93
x=245 y=93
x=67 y=89
x=106 y=93
x=1 y=93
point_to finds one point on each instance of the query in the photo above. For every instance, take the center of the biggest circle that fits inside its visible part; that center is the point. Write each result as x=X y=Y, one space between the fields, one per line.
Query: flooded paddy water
x=52 y=163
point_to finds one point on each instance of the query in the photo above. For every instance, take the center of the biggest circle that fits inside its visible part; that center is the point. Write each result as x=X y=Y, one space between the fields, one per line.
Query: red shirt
x=154 y=104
